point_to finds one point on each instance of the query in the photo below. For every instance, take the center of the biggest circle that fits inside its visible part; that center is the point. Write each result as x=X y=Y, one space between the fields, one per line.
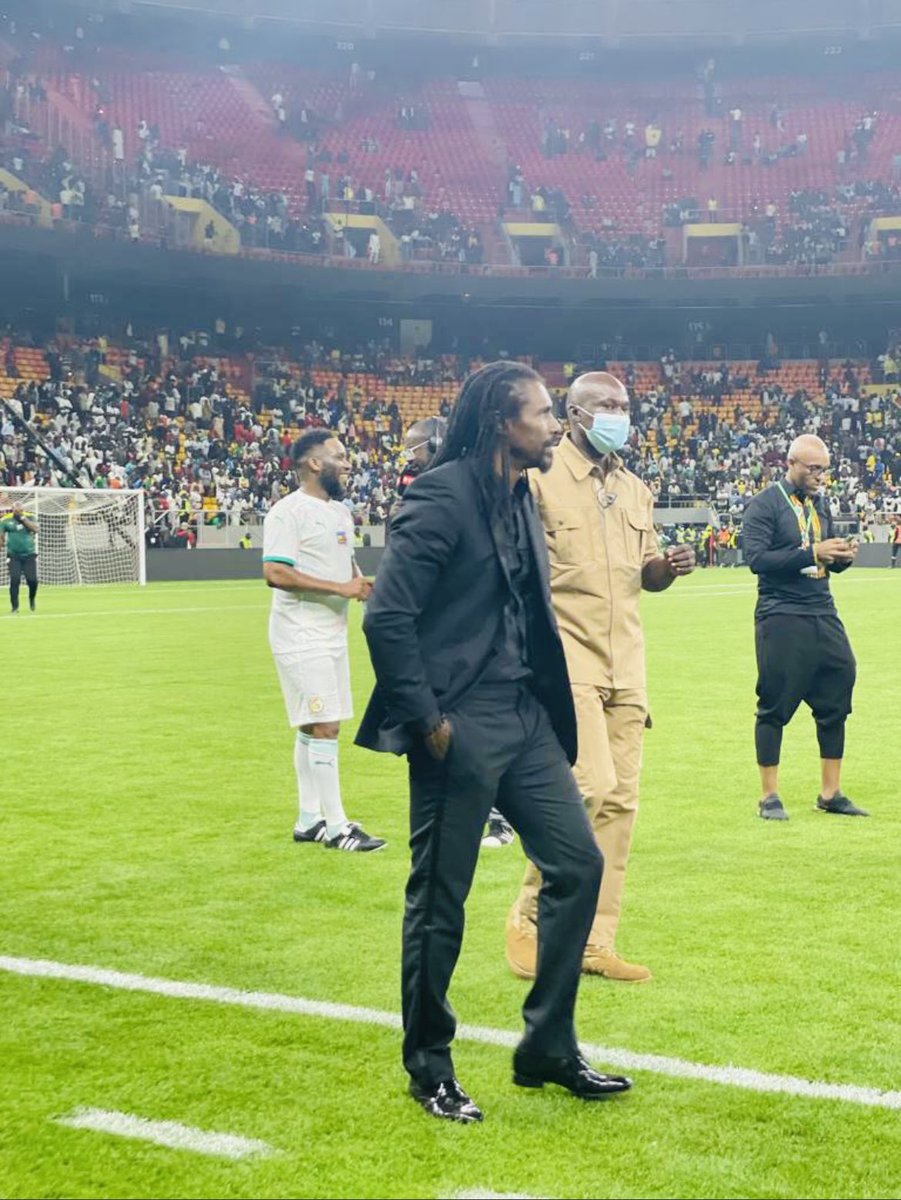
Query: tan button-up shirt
x=600 y=533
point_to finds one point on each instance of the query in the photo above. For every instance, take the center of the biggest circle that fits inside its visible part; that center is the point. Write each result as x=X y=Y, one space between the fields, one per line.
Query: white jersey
x=317 y=537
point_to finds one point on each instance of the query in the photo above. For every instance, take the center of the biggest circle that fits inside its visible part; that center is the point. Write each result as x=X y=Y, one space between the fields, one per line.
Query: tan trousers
x=611 y=733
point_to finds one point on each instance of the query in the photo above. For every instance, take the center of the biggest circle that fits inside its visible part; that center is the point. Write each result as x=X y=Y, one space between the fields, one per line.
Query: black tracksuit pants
x=805 y=658
x=19 y=566
x=504 y=753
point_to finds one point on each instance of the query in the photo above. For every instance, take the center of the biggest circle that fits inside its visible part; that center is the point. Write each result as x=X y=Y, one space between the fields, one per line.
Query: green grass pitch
x=146 y=806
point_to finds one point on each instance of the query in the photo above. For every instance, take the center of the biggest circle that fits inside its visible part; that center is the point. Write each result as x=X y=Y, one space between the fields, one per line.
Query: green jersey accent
x=19 y=540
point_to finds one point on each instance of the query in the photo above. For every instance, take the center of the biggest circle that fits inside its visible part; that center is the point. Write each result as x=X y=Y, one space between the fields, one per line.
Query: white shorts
x=316 y=686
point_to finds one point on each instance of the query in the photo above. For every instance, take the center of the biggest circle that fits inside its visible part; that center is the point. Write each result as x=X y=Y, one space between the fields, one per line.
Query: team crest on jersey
x=317 y=704
x=342 y=538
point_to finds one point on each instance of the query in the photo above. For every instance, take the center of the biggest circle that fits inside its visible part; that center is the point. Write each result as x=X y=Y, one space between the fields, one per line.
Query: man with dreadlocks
x=422 y=442
x=471 y=685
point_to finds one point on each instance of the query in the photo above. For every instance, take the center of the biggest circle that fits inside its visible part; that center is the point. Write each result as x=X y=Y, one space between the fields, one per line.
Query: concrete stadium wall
x=875 y=554
x=169 y=566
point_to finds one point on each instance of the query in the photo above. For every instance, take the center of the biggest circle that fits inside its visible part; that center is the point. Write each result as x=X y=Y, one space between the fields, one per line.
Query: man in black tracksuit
x=803 y=652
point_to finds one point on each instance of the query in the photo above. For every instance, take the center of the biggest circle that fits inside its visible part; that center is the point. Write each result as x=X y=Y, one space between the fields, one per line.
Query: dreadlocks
x=488 y=397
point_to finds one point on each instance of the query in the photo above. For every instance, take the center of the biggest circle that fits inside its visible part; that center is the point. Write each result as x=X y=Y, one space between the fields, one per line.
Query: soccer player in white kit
x=308 y=559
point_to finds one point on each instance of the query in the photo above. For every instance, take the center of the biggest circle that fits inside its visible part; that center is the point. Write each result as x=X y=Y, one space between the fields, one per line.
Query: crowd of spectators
x=693 y=441
x=818 y=229
x=130 y=198
x=175 y=423
x=175 y=426
x=611 y=252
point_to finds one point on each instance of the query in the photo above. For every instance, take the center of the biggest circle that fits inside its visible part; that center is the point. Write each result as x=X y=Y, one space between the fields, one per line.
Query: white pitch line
x=658 y=1064
x=750 y=589
x=166 y=1133
x=483 y=1194
x=129 y=612
x=712 y=589
x=115 y=591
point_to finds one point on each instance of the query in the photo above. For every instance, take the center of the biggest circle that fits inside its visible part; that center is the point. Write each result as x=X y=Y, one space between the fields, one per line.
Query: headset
x=436 y=440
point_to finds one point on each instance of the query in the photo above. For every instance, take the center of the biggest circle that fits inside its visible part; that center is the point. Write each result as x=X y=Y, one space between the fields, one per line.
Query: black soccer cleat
x=354 y=837
x=316 y=833
x=500 y=833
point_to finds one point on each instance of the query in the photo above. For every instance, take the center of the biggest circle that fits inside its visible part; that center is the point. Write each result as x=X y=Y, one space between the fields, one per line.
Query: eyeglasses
x=813 y=468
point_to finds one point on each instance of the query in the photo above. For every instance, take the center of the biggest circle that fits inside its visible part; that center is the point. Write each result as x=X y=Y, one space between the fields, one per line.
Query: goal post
x=85 y=536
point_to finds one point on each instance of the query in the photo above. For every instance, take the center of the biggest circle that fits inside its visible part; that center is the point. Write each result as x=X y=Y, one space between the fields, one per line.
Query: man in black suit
x=422 y=444
x=471 y=685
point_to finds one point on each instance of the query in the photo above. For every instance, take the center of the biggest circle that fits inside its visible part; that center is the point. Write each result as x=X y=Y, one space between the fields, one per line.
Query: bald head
x=592 y=393
x=807 y=444
x=422 y=442
x=808 y=462
x=588 y=388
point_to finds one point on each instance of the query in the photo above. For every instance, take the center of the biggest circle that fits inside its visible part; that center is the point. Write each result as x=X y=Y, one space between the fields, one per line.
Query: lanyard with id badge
x=811 y=531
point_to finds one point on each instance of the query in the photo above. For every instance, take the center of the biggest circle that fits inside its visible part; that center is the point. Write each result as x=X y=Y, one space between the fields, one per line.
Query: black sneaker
x=316 y=833
x=771 y=809
x=842 y=805
x=354 y=837
x=31 y=605
x=500 y=833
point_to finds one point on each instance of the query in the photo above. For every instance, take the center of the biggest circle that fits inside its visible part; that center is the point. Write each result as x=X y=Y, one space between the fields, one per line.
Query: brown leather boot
x=598 y=960
x=522 y=947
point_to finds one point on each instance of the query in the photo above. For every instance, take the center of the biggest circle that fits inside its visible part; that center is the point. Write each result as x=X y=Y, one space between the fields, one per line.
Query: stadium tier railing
x=871 y=267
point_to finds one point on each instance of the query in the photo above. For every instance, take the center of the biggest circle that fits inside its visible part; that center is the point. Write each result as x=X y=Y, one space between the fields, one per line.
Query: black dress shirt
x=510 y=660
x=773 y=544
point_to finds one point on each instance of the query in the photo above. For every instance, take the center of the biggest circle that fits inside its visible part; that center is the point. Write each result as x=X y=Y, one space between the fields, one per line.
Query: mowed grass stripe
x=741 y=1077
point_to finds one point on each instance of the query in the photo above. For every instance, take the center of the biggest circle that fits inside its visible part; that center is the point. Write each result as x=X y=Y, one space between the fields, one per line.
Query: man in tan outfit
x=599 y=523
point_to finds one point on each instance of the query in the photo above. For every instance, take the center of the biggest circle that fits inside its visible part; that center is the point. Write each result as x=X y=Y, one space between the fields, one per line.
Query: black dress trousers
x=505 y=754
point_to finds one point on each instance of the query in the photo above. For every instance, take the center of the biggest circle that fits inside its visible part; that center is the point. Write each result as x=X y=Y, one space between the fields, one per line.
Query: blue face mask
x=609 y=432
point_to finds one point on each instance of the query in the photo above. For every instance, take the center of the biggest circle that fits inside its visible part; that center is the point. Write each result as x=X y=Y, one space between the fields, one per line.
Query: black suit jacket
x=436 y=612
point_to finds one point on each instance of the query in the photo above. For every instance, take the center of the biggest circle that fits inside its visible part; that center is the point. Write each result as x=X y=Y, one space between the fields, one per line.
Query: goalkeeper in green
x=17 y=531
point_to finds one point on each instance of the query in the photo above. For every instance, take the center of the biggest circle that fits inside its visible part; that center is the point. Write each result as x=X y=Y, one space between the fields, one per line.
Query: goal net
x=85 y=535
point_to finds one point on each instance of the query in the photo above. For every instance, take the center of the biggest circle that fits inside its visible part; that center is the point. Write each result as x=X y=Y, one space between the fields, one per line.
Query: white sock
x=324 y=765
x=307 y=792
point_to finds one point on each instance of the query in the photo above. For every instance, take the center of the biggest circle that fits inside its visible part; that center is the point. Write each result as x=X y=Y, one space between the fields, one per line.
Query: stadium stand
x=799 y=166
x=208 y=436
x=796 y=166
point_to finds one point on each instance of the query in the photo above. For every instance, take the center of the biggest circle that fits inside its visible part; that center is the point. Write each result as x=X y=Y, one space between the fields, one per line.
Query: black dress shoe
x=573 y=1073
x=446 y=1100
x=842 y=805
